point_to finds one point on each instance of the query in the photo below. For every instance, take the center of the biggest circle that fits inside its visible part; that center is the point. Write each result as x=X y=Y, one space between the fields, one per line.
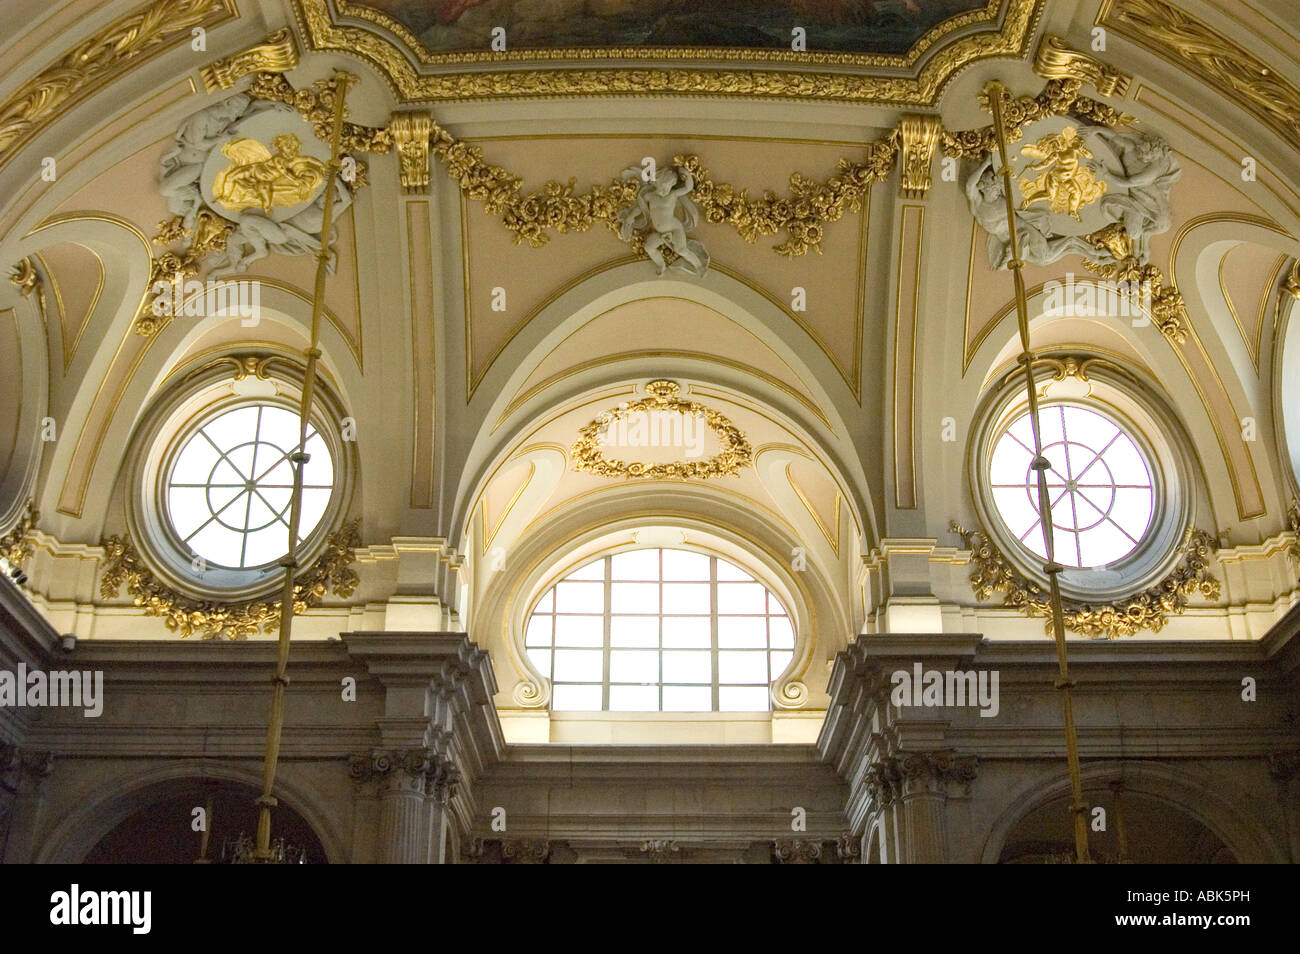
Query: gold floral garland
x=560 y=207
x=213 y=620
x=1149 y=609
x=734 y=453
x=16 y=545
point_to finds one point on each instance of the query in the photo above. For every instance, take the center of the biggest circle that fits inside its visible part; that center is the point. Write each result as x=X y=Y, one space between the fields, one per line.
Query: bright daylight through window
x=660 y=630
x=229 y=488
x=1100 y=484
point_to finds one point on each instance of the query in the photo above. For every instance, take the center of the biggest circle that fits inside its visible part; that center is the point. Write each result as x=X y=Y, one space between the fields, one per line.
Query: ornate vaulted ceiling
x=487 y=302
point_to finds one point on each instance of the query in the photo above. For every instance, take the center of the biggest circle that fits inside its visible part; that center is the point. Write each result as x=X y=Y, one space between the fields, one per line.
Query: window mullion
x=606 y=623
x=713 y=628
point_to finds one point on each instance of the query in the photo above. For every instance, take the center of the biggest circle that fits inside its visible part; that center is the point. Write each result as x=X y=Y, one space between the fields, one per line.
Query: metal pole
x=995 y=92
x=298 y=459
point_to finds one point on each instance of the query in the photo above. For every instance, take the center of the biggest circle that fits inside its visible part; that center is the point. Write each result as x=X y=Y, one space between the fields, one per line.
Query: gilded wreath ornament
x=209 y=619
x=1149 y=609
x=734 y=452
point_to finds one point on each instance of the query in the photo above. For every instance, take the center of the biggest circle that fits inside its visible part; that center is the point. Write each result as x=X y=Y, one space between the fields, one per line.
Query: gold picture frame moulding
x=862 y=78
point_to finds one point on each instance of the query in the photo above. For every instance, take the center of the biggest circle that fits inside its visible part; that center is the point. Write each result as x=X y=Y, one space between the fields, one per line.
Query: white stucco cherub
x=656 y=215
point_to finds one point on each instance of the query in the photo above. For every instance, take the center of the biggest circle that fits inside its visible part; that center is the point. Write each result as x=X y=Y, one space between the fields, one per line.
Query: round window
x=1100 y=485
x=229 y=488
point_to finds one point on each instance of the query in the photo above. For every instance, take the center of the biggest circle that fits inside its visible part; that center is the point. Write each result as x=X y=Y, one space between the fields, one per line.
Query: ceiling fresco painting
x=888 y=27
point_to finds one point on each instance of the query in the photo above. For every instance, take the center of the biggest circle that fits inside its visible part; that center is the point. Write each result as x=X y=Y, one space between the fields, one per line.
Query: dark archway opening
x=1156 y=832
x=161 y=829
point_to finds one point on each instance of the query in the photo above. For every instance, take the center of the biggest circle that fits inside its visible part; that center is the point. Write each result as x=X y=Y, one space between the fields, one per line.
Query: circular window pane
x=1099 y=483
x=230 y=486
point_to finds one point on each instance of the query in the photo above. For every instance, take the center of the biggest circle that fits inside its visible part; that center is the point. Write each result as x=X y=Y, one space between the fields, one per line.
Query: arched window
x=660 y=630
x=1100 y=484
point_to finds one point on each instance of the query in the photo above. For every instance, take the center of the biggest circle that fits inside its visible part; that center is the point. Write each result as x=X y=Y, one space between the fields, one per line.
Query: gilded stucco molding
x=1055 y=60
x=1119 y=261
x=28 y=281
x=97 y=59
x=276 y=55
x=1168 y=310
x=733 y=454
x=946 y=50
x=558 y=207
x=213 y=620
x=1293 y=523
x=1291 y=284
x=917 y=138
x=16 y=545
x=1059 y=97
x=410 y=133
x=1187 y=42
x=1149 y=609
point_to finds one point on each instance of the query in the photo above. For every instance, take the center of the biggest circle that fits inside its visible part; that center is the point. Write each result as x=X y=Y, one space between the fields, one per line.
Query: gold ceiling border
x=1179 y=38
x=394 y=55
x=214 y=620
x=1149 y=609
x=98 y=59
x=1062 y=97
x=734 y=454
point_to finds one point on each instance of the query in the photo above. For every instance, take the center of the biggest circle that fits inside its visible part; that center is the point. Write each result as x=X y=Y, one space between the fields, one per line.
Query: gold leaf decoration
x=804 y=213
x=1059 y=97
x=1149 y=609
x=734 y=454
x=1168 y=310
x=51 y=91
x=1055 y=60
x=277 y=54
x=853 y=77
x=1293 y=522
x=16 y=545
x=213 y=620
x=315 y=104
x=1196 y=47
x=559 y=206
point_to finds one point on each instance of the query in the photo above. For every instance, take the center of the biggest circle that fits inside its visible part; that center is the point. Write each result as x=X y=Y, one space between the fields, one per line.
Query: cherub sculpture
x=655 y=215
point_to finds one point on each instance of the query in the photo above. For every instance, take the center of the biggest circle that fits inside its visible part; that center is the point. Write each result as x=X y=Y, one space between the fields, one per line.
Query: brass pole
x=995 y=92
x=1121 y=828
x=298 y=459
